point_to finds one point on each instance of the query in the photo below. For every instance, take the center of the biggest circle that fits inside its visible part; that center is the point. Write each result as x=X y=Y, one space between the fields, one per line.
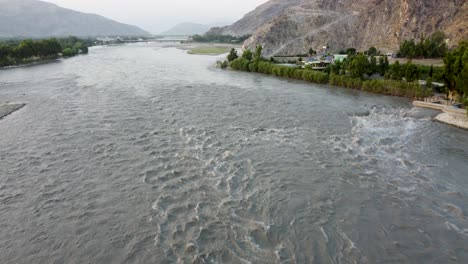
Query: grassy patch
x=209 y=50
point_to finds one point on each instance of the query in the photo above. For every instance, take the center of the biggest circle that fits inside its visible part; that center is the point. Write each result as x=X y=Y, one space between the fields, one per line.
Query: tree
x=351 y=51
x=383 y=66
x=258 y=53
x=358 y=66
x=247 y=54
x=232 y=55
x=462 y=80
x=312 y=52
x=411 y=72
x=256 y=58
x=432 y=47
x=456 y=69
x=5 y=51
x=25 y=49
x=372 y=67
x=372 y=51
x=395 y=71
x=68 y=52
x=336 y=67
x=81 y=47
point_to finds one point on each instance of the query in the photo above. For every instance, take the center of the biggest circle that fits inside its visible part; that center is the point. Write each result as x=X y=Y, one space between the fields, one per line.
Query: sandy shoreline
x=9 y=108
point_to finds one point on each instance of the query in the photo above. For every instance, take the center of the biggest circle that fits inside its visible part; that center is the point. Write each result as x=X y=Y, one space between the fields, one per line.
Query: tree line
x=432 y=47
x=26 y=51
x=354 y=72
x=456 y=70
x=350 y=73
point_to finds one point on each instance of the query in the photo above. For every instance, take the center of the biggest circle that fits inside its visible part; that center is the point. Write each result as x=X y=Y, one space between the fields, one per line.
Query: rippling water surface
x=143 y=154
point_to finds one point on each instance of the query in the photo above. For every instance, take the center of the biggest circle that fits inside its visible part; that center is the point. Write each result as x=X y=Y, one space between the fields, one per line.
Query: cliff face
x=287 y=27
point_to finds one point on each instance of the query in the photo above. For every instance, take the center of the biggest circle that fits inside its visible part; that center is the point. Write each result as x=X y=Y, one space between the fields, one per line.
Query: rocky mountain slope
x=32 y=18
x=288 y=27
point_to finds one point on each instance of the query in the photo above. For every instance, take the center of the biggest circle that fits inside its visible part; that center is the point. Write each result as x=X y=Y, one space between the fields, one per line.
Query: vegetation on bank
x=213 y=50
x=15 y=52
x=217 y=38
x=456 y=71
x=350 y=74
x=432 y=47
x=362 y=71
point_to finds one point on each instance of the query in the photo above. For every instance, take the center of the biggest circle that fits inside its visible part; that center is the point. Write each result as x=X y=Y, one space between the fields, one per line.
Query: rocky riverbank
x=458 y=121
x=452 y=116
x=8 y=108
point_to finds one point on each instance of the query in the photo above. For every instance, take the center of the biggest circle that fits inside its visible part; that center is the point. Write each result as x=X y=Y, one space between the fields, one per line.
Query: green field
x=209 y=50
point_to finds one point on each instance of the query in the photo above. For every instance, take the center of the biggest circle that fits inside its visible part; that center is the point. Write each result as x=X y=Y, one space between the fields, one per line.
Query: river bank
x=200 y=48
x=381 y=86
x=451 y=116
x=9 y=108
x=32 y=63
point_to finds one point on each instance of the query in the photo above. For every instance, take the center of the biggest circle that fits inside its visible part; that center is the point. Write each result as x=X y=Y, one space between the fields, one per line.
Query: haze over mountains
x=186 y=29
x=287 y=27
x=189 y=29
x=33 y=18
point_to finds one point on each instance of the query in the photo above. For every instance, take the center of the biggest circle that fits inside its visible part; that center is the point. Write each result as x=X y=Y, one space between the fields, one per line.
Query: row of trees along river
x=17 y=52
x=355 y=72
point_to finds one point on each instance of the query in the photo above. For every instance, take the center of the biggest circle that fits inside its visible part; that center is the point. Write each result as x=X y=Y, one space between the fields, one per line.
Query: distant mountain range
x=189 y=29
x=33 y=18
x=186 y=29
x=286 y=27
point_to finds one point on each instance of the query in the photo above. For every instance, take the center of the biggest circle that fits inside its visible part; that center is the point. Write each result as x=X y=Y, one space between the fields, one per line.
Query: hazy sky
x=158 y=15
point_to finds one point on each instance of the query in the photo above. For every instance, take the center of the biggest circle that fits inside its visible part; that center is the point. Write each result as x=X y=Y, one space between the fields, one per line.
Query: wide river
x=145 y=154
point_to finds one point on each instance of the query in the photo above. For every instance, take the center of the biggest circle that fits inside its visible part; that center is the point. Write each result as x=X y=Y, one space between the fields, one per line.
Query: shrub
x=69 y=52
x=240 y=64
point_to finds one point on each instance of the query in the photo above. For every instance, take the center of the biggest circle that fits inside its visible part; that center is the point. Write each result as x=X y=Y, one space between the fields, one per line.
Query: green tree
x=25 y=49
x=312 y=52
x=358 y=66
x=336 y=68
x=456 y=69
x=68 y=52
x=5 y=51
x=372 y=51
x=372 y=67
x=395 y=71
x=351 y=51
x=258 y=53
x=232 y=55
x=247 y=54
x=411 y=72
x=81 y=47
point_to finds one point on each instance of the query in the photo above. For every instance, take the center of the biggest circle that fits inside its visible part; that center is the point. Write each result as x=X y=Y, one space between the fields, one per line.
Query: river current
x=145 y=154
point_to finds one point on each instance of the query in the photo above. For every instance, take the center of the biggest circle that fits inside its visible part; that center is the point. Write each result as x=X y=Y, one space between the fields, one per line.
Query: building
x=319 y=65
x=339 y=57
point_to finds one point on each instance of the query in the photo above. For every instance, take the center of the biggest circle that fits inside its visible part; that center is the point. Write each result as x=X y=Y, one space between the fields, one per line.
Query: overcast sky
x=156 y=16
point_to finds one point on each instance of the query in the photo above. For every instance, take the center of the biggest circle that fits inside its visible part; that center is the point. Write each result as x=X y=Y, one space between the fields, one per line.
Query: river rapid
x=145 y=154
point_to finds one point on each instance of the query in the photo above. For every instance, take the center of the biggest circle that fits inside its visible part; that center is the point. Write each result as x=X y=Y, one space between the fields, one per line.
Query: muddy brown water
x=144 y=154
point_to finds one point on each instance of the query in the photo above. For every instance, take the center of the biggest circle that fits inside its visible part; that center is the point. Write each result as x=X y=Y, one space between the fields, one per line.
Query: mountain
x=186 y=29
x=189 y=29
x=32 y=18
x=287 y=27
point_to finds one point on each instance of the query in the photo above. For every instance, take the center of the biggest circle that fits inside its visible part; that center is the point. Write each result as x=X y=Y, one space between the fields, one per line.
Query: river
x=144 y=154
